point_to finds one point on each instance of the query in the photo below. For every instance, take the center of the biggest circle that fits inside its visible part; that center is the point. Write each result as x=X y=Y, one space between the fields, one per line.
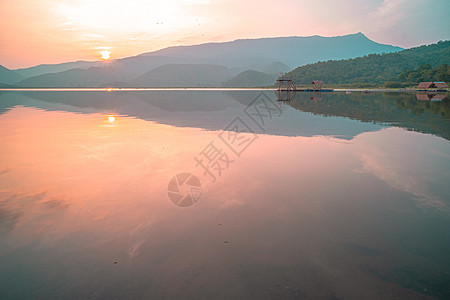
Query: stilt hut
x=317 y=85
x=286 y=89
x=430 y=85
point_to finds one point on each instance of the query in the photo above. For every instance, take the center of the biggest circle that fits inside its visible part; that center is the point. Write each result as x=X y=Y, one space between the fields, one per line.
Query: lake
x=221 y=194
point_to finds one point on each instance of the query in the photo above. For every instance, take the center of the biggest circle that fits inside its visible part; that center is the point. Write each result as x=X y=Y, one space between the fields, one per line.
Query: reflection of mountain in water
x=214 y=110
x=399 y=109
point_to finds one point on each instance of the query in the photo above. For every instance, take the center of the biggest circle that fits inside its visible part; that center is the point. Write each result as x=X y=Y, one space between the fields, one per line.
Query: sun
x=111 y=118
x=106 y=54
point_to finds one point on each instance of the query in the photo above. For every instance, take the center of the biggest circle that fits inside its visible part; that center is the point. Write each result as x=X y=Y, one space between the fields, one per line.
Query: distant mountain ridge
x=54 y=68
x=8 y=77
x=293 y=51
x=92 y=77
x=267 y=55
x=251 y=78
x=183 y=75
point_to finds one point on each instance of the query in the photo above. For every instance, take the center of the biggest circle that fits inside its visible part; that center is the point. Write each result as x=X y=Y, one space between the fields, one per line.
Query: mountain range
x=211 y=64
x=8 y=77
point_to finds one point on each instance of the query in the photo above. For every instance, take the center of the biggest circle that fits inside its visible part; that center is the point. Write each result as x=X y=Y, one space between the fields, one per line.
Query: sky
x=36 y=32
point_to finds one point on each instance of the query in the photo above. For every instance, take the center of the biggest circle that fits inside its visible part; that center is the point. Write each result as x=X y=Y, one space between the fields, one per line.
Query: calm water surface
x=329 y=196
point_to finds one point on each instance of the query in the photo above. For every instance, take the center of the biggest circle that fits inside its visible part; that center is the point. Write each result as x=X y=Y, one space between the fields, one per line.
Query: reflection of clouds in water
x=231 y=202
x=86 y=179
x=137 y=237
x=407 y=164
x=56 y=203
x=134 y=249
x=4 y=171
x=237 y=194
x=8 y=219
x=13 y=207
x=400 y=179
x=94 y=152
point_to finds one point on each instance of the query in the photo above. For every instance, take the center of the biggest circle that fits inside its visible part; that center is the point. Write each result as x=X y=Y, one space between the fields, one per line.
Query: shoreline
x=97 y=89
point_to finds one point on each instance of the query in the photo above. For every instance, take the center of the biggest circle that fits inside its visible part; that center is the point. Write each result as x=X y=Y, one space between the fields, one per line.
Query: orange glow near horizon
x=69 y=30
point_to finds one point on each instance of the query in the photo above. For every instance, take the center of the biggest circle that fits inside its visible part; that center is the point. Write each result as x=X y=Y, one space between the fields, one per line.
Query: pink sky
x=53 y=31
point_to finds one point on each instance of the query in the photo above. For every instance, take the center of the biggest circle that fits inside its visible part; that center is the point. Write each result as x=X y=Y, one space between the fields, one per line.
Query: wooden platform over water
x=314 y=91
x=286 y=85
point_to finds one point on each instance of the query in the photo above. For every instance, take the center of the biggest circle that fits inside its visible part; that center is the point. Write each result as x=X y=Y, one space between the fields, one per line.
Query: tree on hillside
x=426 y=73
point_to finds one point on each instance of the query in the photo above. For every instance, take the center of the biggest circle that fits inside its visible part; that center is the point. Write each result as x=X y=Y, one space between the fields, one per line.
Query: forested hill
x=372 y=68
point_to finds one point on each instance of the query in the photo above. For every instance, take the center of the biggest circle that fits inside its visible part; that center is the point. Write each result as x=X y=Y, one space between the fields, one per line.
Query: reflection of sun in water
x=106 y=54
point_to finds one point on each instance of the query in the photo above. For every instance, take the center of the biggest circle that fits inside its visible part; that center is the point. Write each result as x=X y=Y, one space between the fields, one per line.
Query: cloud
x=387 y=14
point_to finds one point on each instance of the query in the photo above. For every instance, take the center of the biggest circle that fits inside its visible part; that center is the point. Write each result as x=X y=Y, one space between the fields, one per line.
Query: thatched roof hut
x=432 y=85
x=425 y=85
x=317 y=84
x=441 y=85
